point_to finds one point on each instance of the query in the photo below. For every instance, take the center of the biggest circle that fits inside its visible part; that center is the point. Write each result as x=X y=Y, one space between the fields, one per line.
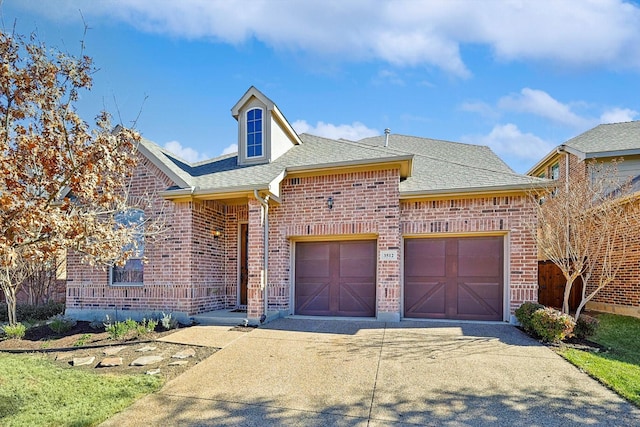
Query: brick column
x=255 y=301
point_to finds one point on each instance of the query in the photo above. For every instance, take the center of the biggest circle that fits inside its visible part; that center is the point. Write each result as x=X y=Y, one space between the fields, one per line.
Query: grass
x=619 y=367
x=36 y=392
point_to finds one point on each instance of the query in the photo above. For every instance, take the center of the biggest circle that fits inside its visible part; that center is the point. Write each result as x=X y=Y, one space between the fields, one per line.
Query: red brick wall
x=509 y=215
x=167 y=281
x=623 y=294
x=363 y=203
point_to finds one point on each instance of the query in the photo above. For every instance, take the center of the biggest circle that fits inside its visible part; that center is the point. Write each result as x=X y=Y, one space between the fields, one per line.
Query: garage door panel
x=425 y=257
x=480 y=257
x=357 y=299
x=479 y=298
x=313 y=297
x=349 y=273
x=471 y=286
x=428 y=299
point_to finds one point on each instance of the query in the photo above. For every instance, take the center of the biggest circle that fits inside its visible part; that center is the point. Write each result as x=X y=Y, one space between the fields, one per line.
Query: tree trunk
x=10 y=297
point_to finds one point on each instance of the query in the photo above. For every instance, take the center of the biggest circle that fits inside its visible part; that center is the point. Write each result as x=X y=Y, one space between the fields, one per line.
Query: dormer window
x=255 y=139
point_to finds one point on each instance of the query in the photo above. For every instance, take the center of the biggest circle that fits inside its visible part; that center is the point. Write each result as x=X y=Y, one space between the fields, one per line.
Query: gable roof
x=607 y=140
x=428 y=167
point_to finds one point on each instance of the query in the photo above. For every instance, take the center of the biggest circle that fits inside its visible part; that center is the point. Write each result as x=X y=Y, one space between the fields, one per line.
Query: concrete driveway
x=297 y=372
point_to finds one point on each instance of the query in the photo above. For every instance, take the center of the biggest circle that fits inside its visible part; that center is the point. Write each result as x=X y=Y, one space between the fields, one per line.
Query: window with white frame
x=255 y=145
x=132 y=272
x=555 y=171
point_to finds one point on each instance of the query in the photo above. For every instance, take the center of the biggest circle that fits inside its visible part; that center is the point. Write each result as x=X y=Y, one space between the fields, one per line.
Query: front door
x=244 y=257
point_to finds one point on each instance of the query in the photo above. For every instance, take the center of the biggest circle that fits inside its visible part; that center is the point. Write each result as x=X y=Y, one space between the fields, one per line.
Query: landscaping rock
x=146 y=349
x=110 y=362
x=178 y=363
x=111 y=351
x=146 y=360
x=63 y=356
x=81 y=361
x=186 y=353
x=153 y=372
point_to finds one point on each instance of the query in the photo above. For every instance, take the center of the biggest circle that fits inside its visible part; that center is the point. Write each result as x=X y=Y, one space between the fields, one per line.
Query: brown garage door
x=454 y=278
x=336 y=278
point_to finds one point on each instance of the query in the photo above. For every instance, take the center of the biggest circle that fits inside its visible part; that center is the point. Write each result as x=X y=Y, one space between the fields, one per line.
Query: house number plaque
x=389 y=255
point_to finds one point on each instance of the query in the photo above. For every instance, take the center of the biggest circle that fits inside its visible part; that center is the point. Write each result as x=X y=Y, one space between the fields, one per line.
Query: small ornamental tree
x=583 y=229
x=61 y=182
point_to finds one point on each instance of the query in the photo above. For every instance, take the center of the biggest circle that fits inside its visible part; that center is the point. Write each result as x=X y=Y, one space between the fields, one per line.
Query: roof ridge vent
x=387 y=131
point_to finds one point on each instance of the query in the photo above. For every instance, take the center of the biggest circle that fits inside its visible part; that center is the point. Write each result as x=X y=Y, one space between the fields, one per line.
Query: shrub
x=33 y=312
x=83 y=340
x=586 y=326
x=129 y=328
x=524 y=313
x=16 y=331
x=168 y=322
x=551 y=325
x=119 y=330
x=146 y=327
x=61 y=324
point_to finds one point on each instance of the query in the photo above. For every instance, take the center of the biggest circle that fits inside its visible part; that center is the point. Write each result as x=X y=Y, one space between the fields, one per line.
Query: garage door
x=454 y=278
x=335 y=278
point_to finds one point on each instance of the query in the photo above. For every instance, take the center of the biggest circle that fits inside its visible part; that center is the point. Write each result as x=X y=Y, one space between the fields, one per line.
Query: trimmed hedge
x=524 y=313
x=26 y=312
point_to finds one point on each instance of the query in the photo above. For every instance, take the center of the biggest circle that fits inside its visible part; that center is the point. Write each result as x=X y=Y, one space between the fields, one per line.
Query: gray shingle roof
x=607 y=138
x=438 y=166
x=446 y=167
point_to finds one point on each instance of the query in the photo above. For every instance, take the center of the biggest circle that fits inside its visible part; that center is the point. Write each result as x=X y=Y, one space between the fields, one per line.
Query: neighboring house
x=604 y=143
x=388 y=227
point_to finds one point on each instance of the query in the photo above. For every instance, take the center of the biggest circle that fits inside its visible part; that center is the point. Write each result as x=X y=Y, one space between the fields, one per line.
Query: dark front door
x=244 y=258
x=336 y=278
x=454 y=278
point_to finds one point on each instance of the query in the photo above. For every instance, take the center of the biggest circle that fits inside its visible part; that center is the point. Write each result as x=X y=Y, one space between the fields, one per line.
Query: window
x=254 y=133
x=555 y=171
x=132 y=272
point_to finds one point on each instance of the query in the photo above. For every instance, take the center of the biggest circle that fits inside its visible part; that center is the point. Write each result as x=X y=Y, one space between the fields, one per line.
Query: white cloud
x=512 y=144
x=544 y=105
x=352 y=132
x=479 y=107
x=403 y=33
x=618 y=115
x=232 y=148
x=186 y=153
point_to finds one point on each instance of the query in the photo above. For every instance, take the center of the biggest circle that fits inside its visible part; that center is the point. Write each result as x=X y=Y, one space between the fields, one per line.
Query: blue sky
x=518 y=76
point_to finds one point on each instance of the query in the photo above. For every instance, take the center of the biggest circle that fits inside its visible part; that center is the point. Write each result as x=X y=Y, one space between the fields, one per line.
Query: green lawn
x=619 y=366
x=36 y=392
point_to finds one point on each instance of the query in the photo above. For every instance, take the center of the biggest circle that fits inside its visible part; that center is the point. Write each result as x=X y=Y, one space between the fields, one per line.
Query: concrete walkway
x=295 y=372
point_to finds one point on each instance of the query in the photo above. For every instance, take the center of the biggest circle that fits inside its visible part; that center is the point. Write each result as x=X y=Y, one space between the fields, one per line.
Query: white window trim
x=120 y=284
x=262 y=132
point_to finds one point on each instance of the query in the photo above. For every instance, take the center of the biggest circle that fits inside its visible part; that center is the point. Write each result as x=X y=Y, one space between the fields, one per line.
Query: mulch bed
x=84 y=341
x=573 y=342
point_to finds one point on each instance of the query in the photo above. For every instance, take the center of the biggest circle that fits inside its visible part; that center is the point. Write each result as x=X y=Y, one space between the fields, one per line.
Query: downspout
x=561 y=150
x=265 y=278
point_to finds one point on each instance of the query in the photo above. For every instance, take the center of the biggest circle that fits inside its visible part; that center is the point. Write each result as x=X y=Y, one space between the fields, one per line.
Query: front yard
x=619 y=366
x=34 y=391
x=40 y=386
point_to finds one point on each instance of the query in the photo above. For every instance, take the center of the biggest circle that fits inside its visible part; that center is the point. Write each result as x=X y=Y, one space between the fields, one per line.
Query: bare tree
x=62 y=182
x=583 y=229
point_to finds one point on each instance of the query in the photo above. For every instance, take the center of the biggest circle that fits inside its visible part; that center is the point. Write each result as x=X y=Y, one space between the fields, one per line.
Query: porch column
x=255 y=262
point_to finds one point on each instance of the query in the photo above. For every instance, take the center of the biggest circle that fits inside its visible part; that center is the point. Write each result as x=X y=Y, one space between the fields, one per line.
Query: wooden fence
x=551 y=283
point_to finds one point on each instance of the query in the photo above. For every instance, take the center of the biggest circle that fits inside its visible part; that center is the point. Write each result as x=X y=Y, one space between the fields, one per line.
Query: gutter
x=476 y=191
x=265 y=277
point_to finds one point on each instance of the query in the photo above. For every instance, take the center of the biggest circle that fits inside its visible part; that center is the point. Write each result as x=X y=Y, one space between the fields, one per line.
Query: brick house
x=604 y=143
x=387 y=227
